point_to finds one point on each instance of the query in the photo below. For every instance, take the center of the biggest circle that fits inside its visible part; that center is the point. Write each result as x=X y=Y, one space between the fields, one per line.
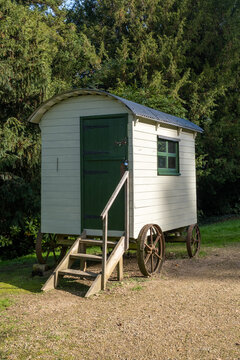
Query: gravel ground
x=190 y=311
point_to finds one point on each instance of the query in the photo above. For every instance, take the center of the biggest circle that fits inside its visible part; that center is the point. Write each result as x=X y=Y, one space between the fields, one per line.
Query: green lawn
x=15 y=275
x=218 y=234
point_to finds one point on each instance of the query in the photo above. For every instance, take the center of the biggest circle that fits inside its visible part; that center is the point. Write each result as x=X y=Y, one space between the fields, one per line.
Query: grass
x=4 y=303
x=219 y=234
x=137 y=288
x=16 y=275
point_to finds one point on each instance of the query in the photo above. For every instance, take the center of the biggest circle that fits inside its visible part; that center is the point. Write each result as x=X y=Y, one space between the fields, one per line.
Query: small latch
x=121 y=142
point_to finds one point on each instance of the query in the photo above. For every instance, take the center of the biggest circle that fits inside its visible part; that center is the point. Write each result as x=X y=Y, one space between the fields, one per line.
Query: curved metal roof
x=137 y=109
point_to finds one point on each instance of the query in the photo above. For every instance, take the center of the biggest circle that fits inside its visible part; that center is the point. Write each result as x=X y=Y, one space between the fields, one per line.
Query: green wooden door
x=103 y=151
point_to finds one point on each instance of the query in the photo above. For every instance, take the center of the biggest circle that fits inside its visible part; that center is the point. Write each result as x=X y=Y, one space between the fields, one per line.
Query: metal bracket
x=136 y=121
x=179 y=131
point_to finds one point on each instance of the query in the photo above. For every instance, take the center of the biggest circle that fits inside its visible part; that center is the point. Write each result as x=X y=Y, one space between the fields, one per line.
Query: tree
x=181 y=57
x=40 y=55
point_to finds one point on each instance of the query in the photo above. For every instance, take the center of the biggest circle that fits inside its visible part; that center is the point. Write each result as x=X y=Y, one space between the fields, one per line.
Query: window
x=168 y=156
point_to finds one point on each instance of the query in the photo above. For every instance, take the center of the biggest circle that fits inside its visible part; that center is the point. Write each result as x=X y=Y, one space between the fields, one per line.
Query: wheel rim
x=150 y=249
x=46 y=245
x=193 y=240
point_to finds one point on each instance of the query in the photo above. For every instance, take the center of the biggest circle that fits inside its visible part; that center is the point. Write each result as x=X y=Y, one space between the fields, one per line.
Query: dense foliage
x=180 y=56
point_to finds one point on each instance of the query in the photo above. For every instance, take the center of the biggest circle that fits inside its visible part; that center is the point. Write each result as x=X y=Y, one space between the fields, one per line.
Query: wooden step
x=86 y=257
x=92 y=242
x=78 y=273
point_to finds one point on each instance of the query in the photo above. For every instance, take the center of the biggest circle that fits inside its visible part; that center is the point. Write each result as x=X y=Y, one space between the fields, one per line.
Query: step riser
x=78 y=273
x=86 y=257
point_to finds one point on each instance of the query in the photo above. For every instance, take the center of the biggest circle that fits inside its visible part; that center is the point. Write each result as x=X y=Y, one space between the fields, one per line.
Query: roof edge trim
x=136 y=109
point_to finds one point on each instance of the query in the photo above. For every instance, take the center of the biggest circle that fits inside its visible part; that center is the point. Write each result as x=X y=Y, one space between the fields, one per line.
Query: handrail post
x=127 y=213
x=104 y=251
x=123 y=182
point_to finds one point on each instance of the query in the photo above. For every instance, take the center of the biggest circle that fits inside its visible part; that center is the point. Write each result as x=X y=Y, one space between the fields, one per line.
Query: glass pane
x=162 y=162
x=172 y=147
x=161 y=145
x=172 y=163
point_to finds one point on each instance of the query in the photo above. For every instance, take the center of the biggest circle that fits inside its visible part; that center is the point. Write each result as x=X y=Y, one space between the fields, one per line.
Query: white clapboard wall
x=169 y=201
x=60 y=131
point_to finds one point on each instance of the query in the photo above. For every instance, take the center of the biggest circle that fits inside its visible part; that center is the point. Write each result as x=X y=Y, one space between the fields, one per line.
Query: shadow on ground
x=221 y=264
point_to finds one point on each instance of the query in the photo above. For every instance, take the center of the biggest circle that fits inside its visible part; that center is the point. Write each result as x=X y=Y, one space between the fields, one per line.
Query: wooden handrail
x=114 y=194
x=104 y=215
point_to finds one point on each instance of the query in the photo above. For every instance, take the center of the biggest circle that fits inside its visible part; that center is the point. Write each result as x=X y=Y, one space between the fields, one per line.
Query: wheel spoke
x=156 y=241
x=152 y=263
x=156 y=254
x=151 y=236
x=149 y=247
x=147 y=258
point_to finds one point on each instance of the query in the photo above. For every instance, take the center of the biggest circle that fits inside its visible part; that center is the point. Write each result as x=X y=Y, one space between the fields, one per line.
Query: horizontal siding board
x=67 y=211
x=61 y=120
x=140 y=133
x=166 y=195
x=152 y=173
x=63 y=181
x=61 y=217
x=61 y=195
x=138 y=164
x=145 y=136
x=152 y=151
x=72 y=143
x=57 y=227
x=61 y=151
x=67 y=173
x=149 y=126
x=168 y=224
x=72 y=158
x=48 y=131
x=166 y=210
x=144 y=177
x=88 y=106
x=163 y=201
x=62 y=165
x=58 y=202
x=145 y=166
x=146 y=144
x=161 y=188
x=86 y=112
x=50 y=137
x=61 y=187
x=148 y=135
x=176 y=219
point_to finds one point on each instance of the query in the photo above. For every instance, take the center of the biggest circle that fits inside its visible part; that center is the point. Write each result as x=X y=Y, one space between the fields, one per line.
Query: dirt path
x=191 y=311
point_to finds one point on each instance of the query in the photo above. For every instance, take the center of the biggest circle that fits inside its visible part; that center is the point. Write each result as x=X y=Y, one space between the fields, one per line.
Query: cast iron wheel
x=193 y=240
x=150 y=249
x=47 y=244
